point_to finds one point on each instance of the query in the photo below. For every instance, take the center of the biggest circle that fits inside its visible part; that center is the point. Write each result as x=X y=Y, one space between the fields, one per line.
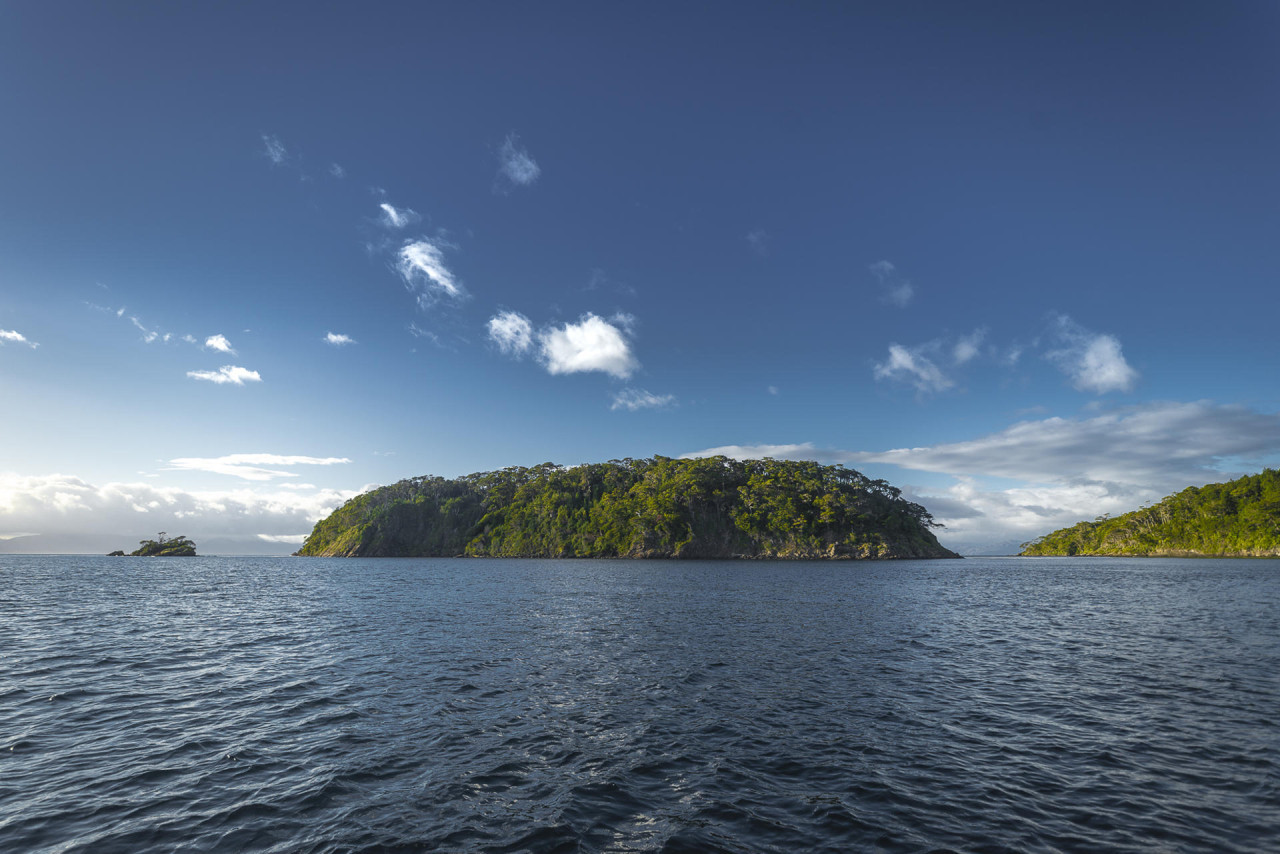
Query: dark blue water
x=299 y=705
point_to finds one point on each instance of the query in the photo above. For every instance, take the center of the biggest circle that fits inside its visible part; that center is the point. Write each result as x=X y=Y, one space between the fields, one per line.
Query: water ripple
x=296 y=705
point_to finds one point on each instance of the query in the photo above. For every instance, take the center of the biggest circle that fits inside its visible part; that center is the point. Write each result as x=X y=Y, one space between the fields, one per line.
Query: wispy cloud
x=13 y=336
x=233 y=374
x=591 y=344
x=274 y=148
x=393 y=217
x=1093 y=361
x=632 y=399
x=894 y=289
x=251 y=466
x=912 y=365
x=758 y=239
x=511 y=332
x=421 y=264
x=418 y=332
x=337 y=339
x=337 y=171
x=515 y=164
x=968 y=347
x=219 y=343
x=148 y=335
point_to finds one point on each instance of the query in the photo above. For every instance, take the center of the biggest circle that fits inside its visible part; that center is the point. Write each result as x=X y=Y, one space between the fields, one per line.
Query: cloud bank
x=1063 y=470
x=63 y=506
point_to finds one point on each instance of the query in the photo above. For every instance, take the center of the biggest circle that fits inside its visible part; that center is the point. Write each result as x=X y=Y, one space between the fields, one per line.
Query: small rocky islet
x=161 y=546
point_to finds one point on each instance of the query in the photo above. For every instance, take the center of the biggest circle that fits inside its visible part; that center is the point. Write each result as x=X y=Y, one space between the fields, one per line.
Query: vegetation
x=660 y=507
x=1240 y=518
x=163 y=546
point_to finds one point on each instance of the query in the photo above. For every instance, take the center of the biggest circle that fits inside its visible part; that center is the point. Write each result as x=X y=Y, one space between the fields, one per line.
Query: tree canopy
x=659 y=507
x=1241 y=517
x=164 y=546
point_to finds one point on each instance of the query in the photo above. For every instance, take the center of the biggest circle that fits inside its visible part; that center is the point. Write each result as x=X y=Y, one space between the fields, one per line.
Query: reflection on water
x=277 y=704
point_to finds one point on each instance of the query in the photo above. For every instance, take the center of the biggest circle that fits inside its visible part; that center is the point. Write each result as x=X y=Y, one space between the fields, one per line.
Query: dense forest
x=163 y=546
x=1240 y=518
x=662 y=508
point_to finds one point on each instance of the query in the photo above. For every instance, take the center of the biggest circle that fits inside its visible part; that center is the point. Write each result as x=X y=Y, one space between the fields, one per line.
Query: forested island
x=714 y=507
x=1236 y=519
x=162 y=546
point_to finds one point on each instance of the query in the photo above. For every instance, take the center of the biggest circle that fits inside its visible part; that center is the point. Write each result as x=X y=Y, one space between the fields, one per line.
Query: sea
x=272 y=704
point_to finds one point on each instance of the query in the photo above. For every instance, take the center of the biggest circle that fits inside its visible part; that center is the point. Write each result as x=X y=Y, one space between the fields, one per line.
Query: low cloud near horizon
x=1063 y=470
x=60 y=507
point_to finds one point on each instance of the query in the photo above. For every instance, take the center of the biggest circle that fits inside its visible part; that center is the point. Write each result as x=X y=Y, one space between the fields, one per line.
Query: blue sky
x=1021 y=260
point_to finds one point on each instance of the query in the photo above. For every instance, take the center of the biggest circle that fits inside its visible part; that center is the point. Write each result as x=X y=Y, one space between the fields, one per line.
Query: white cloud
x=250 y=466
x=418 y=332
x=913 y=366
x=337 y=171
x=421 y=265
x=968 y=347
x=759 y=240
x=511 y=331
x=515 y=164
x=1094 y=361
x=632 y=399
x=274 y=149
x=64 y=506
x=219 y=343
x=802 y=451
x=289 y=539
x=337 y=339
x=15 y=337
x=393 y=217
x=227 y=374
x=591 y=344
x=894 y=289
x=1156 y=443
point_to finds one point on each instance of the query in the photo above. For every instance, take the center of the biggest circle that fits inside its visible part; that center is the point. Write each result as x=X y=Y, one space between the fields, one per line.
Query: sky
x=1020 y=260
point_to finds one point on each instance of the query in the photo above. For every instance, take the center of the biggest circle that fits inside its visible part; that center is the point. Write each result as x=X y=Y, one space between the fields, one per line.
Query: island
x=162 y=546
x=1236 y=519
x=713 y=507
